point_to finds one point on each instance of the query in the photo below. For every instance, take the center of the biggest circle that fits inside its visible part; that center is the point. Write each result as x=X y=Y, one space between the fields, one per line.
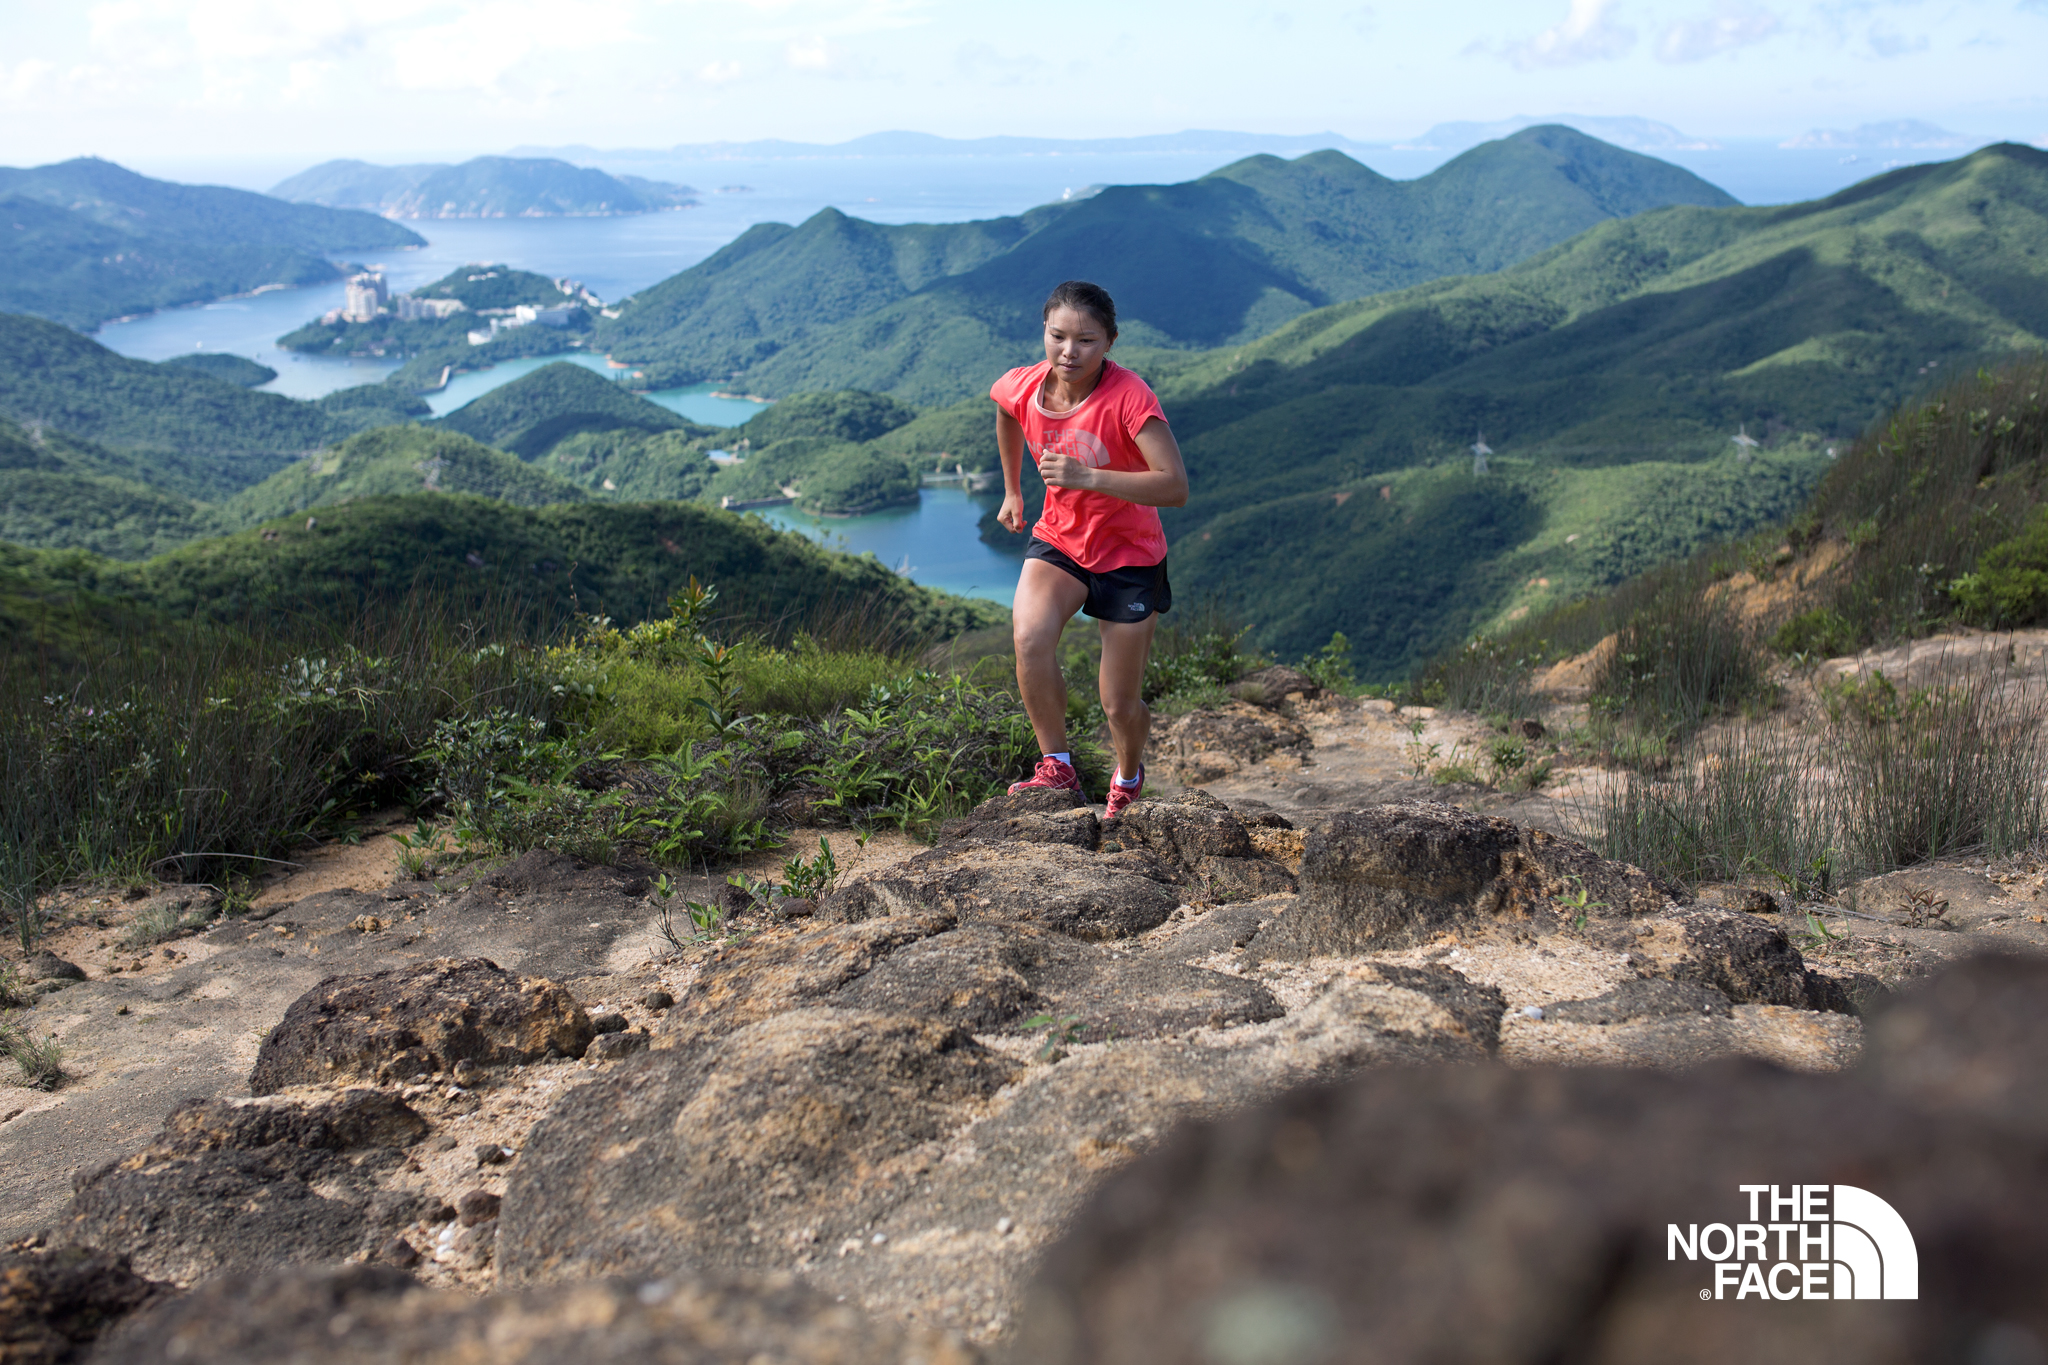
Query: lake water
x=936 y=543
x=938 y=538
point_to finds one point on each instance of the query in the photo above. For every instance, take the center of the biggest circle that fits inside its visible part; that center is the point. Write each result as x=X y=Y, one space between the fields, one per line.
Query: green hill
x=91 y=241
x=537 y=411
x=927 y=312
x=233 y=368
x=58 y=493
x=1331 y=481
x=392 y=460
x=624 y=561
x=176 y=429
x=485 y=187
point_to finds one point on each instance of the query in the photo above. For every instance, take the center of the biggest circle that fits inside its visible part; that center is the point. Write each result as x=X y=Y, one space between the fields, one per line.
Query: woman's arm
x=1163 y=484
x=1010 y=450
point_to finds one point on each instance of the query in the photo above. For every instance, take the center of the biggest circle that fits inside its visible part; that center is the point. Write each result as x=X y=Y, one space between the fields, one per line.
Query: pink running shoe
x=1050 y=775
x=1121 y=796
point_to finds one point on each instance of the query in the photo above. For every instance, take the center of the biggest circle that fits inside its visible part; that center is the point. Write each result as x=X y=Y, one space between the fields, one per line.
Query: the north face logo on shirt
x=1079 y=442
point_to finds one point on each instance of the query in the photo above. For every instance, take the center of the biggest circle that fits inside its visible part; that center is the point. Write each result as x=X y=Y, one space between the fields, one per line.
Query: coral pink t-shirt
x=1095 y=530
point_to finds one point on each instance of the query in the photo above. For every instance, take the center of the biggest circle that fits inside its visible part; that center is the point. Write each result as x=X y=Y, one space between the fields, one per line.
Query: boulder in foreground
x=413 y=1021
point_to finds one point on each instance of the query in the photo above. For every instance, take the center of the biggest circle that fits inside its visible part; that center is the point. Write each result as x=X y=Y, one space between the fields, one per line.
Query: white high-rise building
x=366 y=296
x=410 y=309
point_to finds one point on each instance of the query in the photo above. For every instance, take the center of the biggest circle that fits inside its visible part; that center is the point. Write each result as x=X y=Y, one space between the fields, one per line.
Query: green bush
x=1822 y=633
x=2009 y=586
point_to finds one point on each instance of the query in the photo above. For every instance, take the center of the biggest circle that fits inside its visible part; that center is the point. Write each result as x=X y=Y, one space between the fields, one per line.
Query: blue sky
x=426 y=79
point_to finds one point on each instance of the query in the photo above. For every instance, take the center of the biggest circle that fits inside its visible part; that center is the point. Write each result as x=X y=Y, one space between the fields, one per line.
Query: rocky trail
x=933 y=1114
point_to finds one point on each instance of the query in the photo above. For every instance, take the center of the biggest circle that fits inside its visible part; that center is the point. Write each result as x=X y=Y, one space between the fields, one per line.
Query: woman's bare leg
x=1125 y=647
x=1046 y=600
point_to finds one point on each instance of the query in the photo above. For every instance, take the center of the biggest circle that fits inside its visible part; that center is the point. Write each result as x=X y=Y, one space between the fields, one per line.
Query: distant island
x=485 y=187
x=476 y=316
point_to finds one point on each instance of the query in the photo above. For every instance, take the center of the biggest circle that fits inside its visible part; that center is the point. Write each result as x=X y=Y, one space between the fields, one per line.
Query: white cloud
x=1588 y=33
x=809 y=54
x=1730 y=27
x=1887 y=43
x=718 y=73
x=25 y=79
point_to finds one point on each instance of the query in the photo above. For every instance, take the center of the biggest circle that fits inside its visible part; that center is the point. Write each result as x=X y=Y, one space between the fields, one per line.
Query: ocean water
x=936 y=543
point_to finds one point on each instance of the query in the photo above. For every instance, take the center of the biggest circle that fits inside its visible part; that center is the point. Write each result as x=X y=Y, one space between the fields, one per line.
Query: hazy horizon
x=241 y=81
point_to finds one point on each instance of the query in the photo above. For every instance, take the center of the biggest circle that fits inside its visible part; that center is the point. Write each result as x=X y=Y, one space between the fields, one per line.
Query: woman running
x=1109 y=462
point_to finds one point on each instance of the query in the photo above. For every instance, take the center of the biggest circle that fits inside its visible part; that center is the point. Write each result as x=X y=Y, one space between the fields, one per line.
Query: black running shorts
x=1127 y=595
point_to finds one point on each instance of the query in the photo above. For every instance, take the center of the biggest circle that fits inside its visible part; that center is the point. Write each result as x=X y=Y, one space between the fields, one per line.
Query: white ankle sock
x=1066 y=758
x=1128 y=782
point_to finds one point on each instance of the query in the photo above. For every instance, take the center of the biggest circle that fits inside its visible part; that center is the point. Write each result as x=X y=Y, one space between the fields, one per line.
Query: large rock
x=1490 y=1214
x=1186 y=827
x=894 y=1162
x=1036 y=815
x=1053 y=886
x=1741 y=956
x=413 y=1021
x=54 y=1304
x=712 y=1156
x=1212 y=743
x=988 y=977
x=240 y=1187
x=1398 y=875
x=369 y=1313
x=1275 y=684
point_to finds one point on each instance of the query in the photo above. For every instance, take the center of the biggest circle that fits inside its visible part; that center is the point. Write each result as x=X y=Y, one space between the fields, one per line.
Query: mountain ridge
x=93 y=241
x=482 y=187
x=837 y=302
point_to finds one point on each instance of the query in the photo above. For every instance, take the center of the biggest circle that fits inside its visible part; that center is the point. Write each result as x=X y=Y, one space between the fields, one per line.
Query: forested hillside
x=921 y=311
x=93 y=241
x=1648 y=342
x=538 y=411
x=465 y=551
x=178 y=429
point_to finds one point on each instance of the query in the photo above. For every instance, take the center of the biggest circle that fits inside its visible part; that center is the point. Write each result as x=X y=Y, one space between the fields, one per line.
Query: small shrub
x=161 y=923
x=2009 y=586
x=813 y=878
x=1822 y=633
x=420 y=852
x=14 y=993
x=1331 y=665
x=561 y=819
x=39 y=1062
x=1507 y=756
x=1196 y=696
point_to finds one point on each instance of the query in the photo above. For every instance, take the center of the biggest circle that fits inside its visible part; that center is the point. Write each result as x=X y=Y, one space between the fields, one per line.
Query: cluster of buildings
x=553 y=315
x=367 y=297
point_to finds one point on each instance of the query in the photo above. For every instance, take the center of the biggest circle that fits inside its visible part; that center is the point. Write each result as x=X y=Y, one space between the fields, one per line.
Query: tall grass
x=1675 y=667
x=1947 y=770
x=218 y=749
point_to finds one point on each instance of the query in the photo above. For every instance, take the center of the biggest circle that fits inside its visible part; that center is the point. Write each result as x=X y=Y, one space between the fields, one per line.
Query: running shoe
x=1121 y=796
x=1050 y=775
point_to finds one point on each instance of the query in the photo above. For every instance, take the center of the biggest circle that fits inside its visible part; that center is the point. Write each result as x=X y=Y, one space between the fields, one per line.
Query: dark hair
x=1092 y=299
